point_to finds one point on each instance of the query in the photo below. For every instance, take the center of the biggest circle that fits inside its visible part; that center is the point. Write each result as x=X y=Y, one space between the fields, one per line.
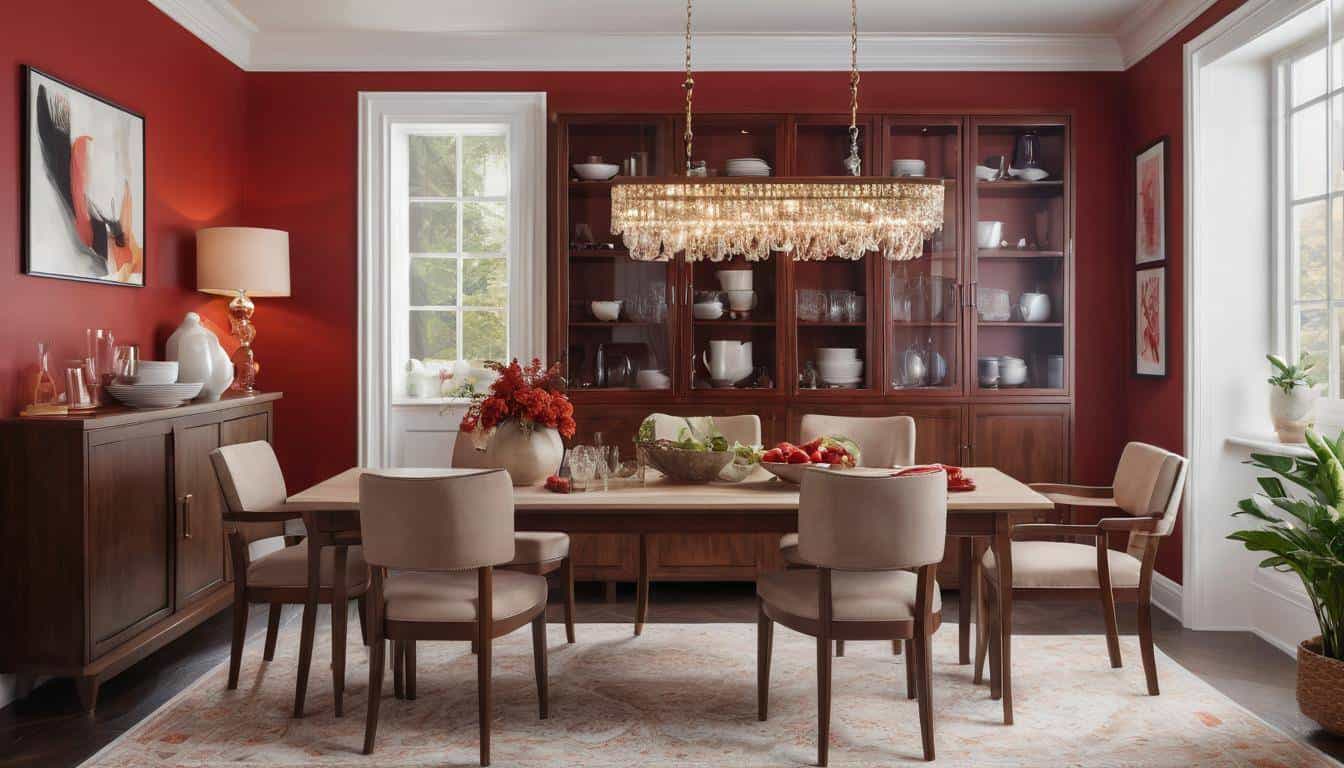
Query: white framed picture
x=1150 y=327
x=1150 y=204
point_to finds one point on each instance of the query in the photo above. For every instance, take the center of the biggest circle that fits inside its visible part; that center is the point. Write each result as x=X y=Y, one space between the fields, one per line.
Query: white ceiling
x=646 y=34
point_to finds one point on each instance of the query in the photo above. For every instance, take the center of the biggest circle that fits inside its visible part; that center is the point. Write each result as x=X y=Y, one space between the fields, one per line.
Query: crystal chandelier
x=811 y=218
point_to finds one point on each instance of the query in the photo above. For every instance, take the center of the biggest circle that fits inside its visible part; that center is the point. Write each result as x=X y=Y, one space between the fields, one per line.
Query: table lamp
x=243 y=262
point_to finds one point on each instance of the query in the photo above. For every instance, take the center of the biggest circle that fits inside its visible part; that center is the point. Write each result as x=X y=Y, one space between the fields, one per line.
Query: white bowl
x=607 y=310
x=742 y=301
x=988 y=234
x=1028 y=174
x=841 y=373
x=596 y=171
x=734 y=279
x=708 y=310
x=790 y=473
x=985 y=173
x=652 y=379
x=154 y=372
x=908 y=167
x=1013 y=376
x=154 y=395
x=827 y=354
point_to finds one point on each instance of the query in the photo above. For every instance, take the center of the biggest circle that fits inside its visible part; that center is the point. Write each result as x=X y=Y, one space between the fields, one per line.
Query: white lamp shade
x=252 y=259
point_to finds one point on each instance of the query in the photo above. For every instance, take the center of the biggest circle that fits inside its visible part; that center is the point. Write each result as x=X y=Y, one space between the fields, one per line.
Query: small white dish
x=827 y=354
x=734 y=279
x=985 y=173
x=596 y=171
x=154 y=395
x=908 y=167
x=790 y=473
x=1028 y=174
x=742 y=301
x=988 y=234
x=607 y=310
x=153 y=372
x=707 y=310
x=652 y=379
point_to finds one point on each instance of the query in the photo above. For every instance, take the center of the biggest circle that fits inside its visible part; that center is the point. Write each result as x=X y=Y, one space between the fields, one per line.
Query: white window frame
x=382 y=227
x=1286 y=266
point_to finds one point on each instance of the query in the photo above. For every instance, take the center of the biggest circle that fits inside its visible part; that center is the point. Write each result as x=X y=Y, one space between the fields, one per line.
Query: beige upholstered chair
x=861 y=530
x=1146 y=494
x=884 y=441
x=443 y=532
x=745 y=429
x=539 y=552
x=254 y=493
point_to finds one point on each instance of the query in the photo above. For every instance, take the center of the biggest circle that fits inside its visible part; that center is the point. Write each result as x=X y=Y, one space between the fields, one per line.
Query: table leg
x=340 y=604
x=642 y=588
x=1003 y=556
x=965 y=602
x=309 y=623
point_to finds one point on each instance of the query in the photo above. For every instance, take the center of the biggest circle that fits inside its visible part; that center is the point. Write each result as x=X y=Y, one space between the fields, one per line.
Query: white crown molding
x=1156 y=22
x=217 y=23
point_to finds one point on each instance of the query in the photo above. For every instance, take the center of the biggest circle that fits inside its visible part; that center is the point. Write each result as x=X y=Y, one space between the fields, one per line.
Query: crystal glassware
x=44 y=390
x=102 y=351
x=582 y=465
x=124 y=361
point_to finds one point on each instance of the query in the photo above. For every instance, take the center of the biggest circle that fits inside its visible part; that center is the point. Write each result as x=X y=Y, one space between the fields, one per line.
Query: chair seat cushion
x=539 y=547
x=788 y=548
x=855 y=595
x=1071 y=500
x=288 y=567
x=451 y=597
x=1064 y=565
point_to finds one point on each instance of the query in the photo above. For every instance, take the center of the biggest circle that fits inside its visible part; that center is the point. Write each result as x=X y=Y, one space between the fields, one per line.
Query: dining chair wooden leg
x=642 y=586
x=992 y=629
x=823 y=698
x=839 y=647
x=911 y=670
x=567 y=575
x=408 y=660
x=484 y=631
x=539 y=664
x=765 y=637
x=340 y=619
x=272 y=630
x=981 y=629
x=1003 y=555
x=309 y=629
x=376 y=668
x=966 y=587
x=236 y=644
x=1112 y=630
x=362 y=605
x=398 y=669
x=1146 y=646
x=924 y=654
x=895 y=647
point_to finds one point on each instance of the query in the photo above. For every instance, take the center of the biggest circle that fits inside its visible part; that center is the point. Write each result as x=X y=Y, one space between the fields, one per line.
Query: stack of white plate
x=154 y=395
x=747 y=166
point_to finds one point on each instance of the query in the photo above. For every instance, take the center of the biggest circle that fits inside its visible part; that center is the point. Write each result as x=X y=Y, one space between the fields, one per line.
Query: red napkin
x=957 y=481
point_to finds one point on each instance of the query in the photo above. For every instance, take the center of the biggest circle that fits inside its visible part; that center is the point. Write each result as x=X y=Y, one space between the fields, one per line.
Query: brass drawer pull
x=186 y=516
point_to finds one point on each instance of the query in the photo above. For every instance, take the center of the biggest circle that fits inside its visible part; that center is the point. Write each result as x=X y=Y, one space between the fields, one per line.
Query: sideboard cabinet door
x=1029 y=442
x=130 y=537
x=198 y=505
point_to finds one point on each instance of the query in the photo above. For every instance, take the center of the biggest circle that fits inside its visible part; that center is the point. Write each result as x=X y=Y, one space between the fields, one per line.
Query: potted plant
x=521 y=420
x=1292 y=397
x=1304 y=534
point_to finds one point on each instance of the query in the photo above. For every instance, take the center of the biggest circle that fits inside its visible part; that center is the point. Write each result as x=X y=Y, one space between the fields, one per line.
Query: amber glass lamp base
x=245 y=366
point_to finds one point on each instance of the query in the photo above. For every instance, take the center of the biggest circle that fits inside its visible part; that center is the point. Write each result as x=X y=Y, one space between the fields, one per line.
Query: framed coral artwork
x=83 y=185
x=1150 y=327
x=1150 y=204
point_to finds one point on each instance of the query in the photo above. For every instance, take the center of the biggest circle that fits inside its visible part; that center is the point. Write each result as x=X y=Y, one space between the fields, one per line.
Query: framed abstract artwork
x=83 y=185
x=1150 y=205
x=1150 y=327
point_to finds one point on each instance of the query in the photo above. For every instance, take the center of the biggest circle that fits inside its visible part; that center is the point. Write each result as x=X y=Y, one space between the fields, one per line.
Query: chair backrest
x=861 y=521
x=250 y=477
x=436 y=519
x=745 y=429
x=884 y=441
x=1149 y=481
x=465 y=455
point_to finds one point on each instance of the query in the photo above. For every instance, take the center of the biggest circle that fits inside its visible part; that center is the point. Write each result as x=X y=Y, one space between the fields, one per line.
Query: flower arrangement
x=534 y=395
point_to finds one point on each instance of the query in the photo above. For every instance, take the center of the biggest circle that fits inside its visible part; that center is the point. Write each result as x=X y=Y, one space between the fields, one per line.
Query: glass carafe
x=44 y=391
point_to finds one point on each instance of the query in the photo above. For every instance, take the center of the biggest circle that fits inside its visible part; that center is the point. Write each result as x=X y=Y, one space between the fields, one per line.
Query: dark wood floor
x=48 y=730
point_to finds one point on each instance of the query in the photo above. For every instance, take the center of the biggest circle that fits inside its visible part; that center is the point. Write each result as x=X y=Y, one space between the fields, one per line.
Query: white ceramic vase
x=1292 y=412
x=200 y=357
x=529 y=457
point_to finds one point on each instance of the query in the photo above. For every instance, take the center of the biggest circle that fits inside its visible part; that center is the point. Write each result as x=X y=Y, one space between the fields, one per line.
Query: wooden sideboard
x=115 y=544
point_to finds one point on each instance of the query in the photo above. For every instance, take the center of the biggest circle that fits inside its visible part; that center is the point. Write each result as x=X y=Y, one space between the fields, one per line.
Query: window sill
x=423 y=402
x=1268 y=444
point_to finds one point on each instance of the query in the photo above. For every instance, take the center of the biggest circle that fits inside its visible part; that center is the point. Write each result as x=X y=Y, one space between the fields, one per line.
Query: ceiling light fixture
x=813 y=218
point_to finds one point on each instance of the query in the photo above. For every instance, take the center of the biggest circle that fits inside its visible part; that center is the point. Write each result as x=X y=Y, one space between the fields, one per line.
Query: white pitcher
x=1034 y=307
x=727 y=360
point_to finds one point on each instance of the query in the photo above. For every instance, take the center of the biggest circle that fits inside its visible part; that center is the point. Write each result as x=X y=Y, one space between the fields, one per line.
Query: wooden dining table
x=758 y=504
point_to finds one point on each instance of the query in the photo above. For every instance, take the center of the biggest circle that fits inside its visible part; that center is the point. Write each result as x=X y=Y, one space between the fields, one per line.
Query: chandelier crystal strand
x=853 y=163
x=689 y=85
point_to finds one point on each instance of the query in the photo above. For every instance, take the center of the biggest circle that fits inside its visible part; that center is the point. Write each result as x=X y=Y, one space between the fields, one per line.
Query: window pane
x=1337 y=142
x=433 y=282
x=433 y=227
x=485 y=282
x=484 y=229
x=433 y=335
x=1308 y=76
x=1309 y=250
x=1313 y=332
x=485 y=166
x=1308 y=149
x=433 y=169
x=485 y=335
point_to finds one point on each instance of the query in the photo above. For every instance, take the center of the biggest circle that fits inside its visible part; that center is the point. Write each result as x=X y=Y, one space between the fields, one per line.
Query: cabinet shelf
x=597 y=254
x=1016 y=324
x=613 y=324
x=1047 y=187
x=739 y=323
x=830 y=324
x=1017 y=253
x=924 y=324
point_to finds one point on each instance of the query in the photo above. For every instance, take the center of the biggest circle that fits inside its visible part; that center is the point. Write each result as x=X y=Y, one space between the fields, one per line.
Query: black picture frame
x=1160 y=368
x=30 y=75
x=1164 y=188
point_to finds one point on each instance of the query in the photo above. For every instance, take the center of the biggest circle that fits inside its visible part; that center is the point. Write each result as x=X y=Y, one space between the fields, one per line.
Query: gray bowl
x=687 y=466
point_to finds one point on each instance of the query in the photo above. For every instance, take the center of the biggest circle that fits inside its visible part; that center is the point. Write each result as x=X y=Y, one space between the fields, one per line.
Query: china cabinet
x=737 y=336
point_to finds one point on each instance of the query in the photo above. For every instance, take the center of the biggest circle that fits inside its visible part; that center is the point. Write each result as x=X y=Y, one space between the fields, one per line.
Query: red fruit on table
x=798 y=457
x=785 y=446
x=774 y=455
x=817 y=458
x=811 y=445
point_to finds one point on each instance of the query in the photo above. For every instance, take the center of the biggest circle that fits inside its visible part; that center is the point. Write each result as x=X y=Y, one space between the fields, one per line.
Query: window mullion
x=461 y=234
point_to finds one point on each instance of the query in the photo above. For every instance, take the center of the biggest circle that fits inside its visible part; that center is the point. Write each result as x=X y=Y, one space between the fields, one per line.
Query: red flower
x=532 y=393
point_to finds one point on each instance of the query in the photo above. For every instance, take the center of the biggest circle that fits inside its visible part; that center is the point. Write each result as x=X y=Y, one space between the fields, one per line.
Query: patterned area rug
x=685 y=695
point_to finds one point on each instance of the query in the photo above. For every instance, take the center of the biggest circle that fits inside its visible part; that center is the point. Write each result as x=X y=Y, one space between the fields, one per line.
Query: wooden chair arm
x=264 y=516
x=1038 y=530
x=1130 y=524
x=1082 y=491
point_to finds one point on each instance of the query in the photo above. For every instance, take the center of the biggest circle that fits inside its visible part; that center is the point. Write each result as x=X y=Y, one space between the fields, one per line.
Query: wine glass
x=582 y=465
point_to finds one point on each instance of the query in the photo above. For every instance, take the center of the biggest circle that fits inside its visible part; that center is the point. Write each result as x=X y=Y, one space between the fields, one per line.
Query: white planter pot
x=1292 y=412
x=529 y=458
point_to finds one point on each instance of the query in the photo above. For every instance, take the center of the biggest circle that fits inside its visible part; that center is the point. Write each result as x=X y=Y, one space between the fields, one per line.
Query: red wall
x=302 y=145
x=193 y=101
x=1154 y=98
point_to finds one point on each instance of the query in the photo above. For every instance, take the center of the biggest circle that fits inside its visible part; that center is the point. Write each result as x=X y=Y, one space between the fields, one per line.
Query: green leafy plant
x=1304 y=534
x=1287 y=377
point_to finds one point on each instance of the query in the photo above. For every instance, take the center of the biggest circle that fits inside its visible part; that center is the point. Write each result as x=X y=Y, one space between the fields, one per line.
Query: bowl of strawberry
x=788 y=461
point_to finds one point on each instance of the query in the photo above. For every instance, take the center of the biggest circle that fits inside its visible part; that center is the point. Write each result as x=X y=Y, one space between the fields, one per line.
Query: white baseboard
x=1167 y=596
x=1281 y=613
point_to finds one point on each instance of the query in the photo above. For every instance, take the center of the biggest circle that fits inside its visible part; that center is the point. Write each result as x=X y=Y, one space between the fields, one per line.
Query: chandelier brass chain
x=689 y=85
x=853 y=163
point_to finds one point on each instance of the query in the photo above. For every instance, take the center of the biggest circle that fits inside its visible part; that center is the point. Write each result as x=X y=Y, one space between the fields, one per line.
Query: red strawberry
x=811 y=445
x=817 y=458
x=773 y=455
x=785 y=445
x=798 y=457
